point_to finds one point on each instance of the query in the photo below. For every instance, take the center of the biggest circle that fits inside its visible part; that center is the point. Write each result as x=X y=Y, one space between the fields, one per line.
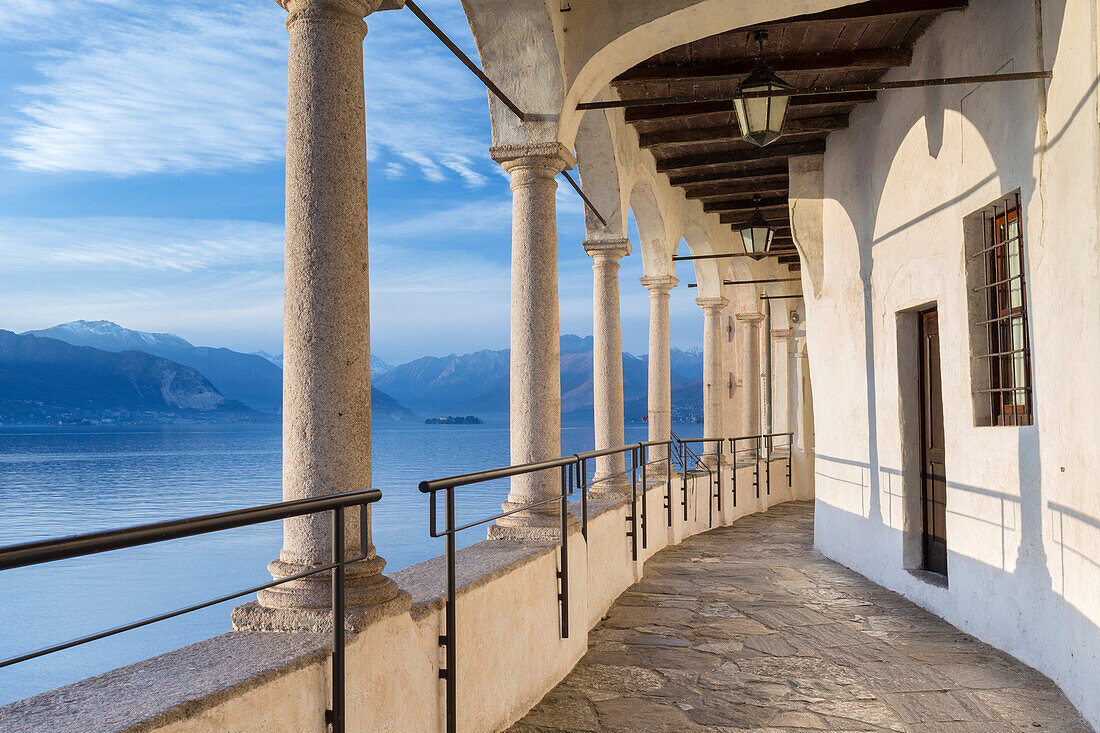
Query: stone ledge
x=476 y=566
x=167 y=688
x=182 y=683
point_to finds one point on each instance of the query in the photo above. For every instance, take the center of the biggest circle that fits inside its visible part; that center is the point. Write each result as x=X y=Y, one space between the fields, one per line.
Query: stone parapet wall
x=510 y=653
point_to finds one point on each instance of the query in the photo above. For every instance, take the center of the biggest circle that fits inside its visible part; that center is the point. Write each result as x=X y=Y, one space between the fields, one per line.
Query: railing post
x=756 y=467
x=563 y=595
x=582 y=486
x=684 y=476
x=451 y=673
x=634 y=503
x=790 y=451
x=668 y=479
x=644 y=454
x=336 y=714
x=733 y=462
x=718 y=460
x=768 y=464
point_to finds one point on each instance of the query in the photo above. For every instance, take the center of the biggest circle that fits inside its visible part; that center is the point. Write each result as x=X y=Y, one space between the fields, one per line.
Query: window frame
x=1001 y=265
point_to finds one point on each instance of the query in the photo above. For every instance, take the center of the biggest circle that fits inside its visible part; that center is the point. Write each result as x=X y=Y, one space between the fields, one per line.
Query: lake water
x=63 y=481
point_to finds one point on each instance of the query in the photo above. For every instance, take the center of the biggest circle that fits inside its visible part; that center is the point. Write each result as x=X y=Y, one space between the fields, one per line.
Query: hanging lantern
x=756 y=233
x=761 y=118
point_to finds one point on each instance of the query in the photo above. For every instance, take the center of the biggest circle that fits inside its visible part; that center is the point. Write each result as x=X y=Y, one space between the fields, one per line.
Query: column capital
x=357 y=8
x=712 y=305
x=659 y=284
x=551 y=158
x=750 y=318
x=781 y=333
x=612 y=249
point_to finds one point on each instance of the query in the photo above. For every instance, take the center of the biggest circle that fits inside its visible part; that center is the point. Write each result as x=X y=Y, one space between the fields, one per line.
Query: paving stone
x=939 y=707
x=748 y=628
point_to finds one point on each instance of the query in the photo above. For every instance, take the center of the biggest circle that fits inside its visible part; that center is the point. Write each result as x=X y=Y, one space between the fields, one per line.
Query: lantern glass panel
x=760 y=119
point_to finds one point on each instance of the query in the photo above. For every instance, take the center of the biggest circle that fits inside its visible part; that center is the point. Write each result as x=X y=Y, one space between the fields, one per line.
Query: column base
x=530 y=525
x=254 y=616
x=618 y=487
x=306 y=604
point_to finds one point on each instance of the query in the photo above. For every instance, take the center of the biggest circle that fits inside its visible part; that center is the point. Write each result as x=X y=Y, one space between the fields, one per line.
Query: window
x=998 y=300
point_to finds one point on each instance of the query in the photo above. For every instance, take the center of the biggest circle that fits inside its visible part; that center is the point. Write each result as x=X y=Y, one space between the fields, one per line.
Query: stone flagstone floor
x=749 y=628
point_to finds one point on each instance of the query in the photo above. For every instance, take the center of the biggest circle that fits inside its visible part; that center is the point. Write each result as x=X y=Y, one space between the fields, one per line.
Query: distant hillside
x=254 y=379
x=477 y=383
x=251 y=379
x=45 y=380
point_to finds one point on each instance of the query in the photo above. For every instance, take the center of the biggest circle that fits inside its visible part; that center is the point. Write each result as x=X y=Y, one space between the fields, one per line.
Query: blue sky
x=142 y=171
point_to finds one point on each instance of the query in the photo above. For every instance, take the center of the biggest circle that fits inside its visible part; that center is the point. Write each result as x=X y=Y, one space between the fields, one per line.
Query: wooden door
x=933 y=474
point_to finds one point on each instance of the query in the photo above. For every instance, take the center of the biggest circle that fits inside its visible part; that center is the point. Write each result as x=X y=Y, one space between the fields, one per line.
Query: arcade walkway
x=748 y=628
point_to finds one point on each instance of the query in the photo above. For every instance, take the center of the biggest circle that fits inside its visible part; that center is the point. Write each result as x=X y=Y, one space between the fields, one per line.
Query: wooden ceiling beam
x=736 y=69
x=748 y=172
x=744 y=204
x=777 y=216
x=742 y=155
x=673 y=112
x=761 y=185
x=875 y=10
x=688 y=135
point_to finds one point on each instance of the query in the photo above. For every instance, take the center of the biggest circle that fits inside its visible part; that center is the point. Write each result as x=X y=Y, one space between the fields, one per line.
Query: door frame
x=930 y=555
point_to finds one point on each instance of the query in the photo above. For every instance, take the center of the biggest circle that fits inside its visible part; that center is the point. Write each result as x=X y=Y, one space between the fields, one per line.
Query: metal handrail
x=43 y=551
x=766 y=441
x=573 y=476
x=714 y=477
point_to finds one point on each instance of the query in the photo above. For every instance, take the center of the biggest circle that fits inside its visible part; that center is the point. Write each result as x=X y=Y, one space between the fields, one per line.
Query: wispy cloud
x=176 y=86
x=132 y=243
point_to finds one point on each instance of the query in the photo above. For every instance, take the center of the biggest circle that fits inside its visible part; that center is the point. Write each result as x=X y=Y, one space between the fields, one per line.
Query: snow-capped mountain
x=253 y=379
x=245 y=377
x=277 y=360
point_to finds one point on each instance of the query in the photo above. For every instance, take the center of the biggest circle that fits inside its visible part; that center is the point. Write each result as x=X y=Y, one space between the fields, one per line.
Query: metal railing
x=689 y=461
x=573 y=476
x=761 y=446
x=714 y=477
x=36 y=553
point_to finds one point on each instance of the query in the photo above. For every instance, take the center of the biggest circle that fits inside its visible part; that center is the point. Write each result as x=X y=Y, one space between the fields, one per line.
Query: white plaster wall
x=1023 y=521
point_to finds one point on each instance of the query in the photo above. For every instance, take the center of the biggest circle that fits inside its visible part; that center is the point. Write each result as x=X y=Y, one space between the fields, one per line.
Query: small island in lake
x=451 y=420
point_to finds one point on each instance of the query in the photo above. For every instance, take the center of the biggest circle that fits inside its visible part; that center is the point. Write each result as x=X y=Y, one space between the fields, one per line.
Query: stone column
x=750 y=372
x=607 y=362
x=781 y=382
x=660 y=370
x=714 y=382
x=535 y=394
x=326 y=361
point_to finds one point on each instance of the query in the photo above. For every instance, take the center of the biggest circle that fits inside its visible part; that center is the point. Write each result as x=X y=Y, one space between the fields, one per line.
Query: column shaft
x=781 y=381
x=750 y=372
x=326 y=362
x=713 y=376
x=607 y=363
x=535 y=379
x=660 y=370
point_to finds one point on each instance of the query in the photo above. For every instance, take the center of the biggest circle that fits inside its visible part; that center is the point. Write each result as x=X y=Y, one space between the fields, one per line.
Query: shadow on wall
x=1025 y=592
x=1036 y=602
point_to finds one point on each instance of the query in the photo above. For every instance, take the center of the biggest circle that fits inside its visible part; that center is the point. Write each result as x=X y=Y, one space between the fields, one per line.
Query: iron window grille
x=1004 y=359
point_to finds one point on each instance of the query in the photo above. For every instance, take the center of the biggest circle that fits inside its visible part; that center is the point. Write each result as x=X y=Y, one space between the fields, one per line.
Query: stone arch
x=602 y=38
x=652 y=228
x=519 y=51
x=601 y=178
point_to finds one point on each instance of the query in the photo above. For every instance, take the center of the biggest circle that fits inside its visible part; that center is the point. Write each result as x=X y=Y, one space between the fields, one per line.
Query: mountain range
x=44 y=379
x=477 y=383
x=224 y=384
x=251 y=382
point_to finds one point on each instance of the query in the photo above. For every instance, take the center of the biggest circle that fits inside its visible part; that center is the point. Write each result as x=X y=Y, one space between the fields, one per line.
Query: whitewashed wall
x=1023 y=504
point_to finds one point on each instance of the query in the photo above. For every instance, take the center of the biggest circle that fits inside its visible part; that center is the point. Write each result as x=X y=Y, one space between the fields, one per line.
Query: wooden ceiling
x=698 y=144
